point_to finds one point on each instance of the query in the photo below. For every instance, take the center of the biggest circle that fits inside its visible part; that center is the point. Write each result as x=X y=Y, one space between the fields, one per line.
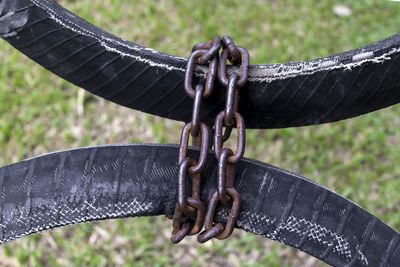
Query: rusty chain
x=229 y=117
x=189 y=207
x=192 y=207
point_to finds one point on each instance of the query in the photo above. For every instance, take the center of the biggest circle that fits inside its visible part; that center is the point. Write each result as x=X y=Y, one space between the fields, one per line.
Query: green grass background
x=359 y=158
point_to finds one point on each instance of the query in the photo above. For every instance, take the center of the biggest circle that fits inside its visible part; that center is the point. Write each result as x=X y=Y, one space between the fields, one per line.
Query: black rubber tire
x=116 y=181
x=278 y=95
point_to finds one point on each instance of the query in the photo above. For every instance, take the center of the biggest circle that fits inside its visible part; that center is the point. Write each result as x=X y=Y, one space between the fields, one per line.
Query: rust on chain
x=210 y=233
x=179 y=232
x=190 y=213
x=202 y=46
x=244 y=67
x=196 y=113
x=204 y=144
x=225 y=174
x=232 y=99
x=226 y=119
x=183 y=226
x=195 y=225
x=216 y=230
x=182 y=174
x=212 y=48
x=234 y=53
x=187 y=205
x=211 y=74
x=219 y=137
x=227 y=133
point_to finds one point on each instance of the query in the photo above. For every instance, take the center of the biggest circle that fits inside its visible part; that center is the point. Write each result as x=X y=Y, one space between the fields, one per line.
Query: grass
x=358 y=157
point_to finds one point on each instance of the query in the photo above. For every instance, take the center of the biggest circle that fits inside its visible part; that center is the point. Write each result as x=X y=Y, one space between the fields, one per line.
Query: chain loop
x=232 y=99
x=244 y=67
x=225 y=174
x=212 y=48
x=187 y=205
x=182 y=174
x=204 y=144
x=219 y=137
x=211 y=74
x=234 y=54
x=197 y=110
x=218 y=230
x=179 y=231
x=198 y=224
x=183 y=226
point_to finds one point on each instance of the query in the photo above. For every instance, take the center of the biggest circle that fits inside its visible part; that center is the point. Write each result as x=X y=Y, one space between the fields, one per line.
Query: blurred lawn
x=358 y=158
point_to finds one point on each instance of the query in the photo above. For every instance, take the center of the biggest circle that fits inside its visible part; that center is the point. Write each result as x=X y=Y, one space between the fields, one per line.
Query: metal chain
x=188 y=208
x=225 y=156
x=192 y=207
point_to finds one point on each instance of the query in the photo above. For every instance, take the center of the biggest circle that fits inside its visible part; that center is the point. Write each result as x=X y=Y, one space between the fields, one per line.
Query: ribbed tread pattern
x=116 y=181
x=152 y=82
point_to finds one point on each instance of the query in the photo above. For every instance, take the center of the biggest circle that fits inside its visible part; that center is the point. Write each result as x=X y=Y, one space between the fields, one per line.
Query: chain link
x=212 y=73
x=191 y=207
x=244 y=67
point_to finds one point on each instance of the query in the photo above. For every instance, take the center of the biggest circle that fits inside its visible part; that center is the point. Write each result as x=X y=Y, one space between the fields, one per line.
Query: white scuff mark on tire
x=103 y=41
x=363 y=55
x=258 y=74
x=309 y=68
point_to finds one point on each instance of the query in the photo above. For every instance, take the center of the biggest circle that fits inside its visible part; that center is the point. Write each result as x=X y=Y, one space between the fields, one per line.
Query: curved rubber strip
x=278 y=95
x=116 y=181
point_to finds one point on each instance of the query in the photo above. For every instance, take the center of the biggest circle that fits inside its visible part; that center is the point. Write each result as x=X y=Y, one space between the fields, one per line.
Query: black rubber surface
x=140 y=180
x=278 y=95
